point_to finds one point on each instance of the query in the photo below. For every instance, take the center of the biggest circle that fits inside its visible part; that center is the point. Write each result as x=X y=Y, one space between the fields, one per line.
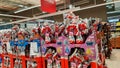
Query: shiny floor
x=114 y=61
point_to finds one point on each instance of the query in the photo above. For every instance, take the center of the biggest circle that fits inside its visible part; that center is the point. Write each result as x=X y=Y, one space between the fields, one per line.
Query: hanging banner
x=48 y=6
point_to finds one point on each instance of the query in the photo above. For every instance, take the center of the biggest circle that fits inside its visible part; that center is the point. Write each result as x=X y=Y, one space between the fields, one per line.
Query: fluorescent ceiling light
x=21 y=5
x=26 y=9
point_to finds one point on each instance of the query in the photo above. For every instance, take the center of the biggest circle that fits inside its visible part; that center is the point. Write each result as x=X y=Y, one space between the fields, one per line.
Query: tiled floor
x=114 y=62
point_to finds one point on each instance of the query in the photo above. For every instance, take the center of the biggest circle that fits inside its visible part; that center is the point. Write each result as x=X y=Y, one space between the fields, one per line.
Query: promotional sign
x=8 y=47
x=33 y=49
x=48 y=6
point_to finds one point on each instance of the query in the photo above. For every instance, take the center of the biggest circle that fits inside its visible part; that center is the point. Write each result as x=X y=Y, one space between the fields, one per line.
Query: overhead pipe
x=14 y=16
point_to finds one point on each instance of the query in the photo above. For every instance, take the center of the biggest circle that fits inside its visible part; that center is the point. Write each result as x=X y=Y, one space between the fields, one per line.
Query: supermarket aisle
x=114 y=62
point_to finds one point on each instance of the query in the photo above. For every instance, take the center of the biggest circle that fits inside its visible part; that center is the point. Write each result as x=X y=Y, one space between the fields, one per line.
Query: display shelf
x=115 y=26
x=115 y=42
x=115 y=30
x=51 y=48
x=23 y=59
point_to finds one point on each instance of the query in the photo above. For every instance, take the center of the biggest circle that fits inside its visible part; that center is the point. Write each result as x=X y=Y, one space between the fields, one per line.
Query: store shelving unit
x=116 y=34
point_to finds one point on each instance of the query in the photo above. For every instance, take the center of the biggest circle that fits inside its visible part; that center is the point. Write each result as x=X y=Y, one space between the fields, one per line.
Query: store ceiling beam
x=61 y=12
x=13 y=16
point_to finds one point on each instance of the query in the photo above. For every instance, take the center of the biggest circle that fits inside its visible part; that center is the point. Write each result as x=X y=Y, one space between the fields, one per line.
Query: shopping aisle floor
x=114 y=62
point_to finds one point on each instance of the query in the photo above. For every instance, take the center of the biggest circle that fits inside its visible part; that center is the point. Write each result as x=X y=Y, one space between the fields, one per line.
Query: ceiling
x=11 y=6
x=14 y=5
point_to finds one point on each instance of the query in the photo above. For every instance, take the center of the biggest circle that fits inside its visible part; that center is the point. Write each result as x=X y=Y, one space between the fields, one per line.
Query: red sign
x=48 y=6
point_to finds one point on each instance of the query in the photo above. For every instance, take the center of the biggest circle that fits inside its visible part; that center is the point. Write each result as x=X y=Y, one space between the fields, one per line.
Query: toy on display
x=54 y=32
x=21 y=43
x=53 y=54
x=36 y=38
x=34 y=57
x=14 y=32
x=46 y=31
x=77 y=59
x=4 y=48
x=81 y=54
x=72 y=44
x=17 y=63
x=71 y=38
x=31 y=64
x=79 y=39
x=107 y=46
x=6 y=61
